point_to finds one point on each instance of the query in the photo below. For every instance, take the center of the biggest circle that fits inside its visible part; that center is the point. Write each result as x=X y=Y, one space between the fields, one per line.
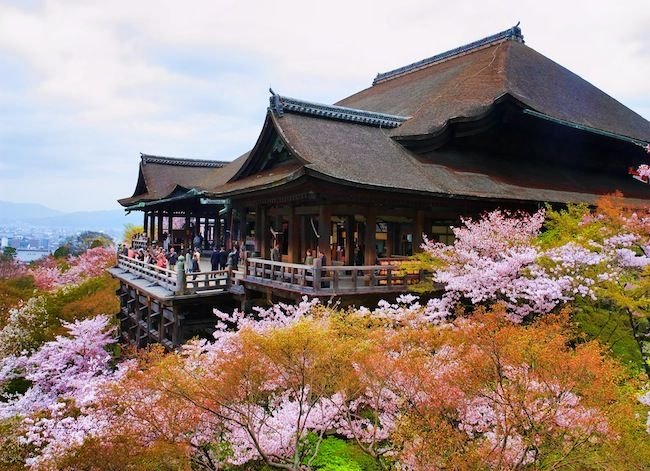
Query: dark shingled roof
x=467 y=85
x=368 y=157
x=159 y=177
x=281 y=103
x=358 y=141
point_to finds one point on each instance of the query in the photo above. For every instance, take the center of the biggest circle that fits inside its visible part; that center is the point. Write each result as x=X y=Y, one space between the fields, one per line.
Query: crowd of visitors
x=167 y=257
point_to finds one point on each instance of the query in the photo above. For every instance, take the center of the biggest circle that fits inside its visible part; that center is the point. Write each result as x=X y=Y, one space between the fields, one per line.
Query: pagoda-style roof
x=464 y=83
x=164 y=177
x=366 y=156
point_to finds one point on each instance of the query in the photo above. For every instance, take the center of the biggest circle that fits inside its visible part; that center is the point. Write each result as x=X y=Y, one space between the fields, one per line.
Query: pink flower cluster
x=497 y=259
x=538 y=404
x=49 y=274
x=66 y=375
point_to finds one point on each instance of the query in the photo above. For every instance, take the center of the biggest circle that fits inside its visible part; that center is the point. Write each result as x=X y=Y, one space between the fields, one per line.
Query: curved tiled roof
x=513 y=33
x=466 y=86
x=280 y=104
x=159 y=176
x=369 y=157
x=181 y=162
x=357 y=141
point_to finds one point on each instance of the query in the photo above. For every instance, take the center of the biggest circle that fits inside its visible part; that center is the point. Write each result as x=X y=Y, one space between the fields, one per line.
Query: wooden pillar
x=145 y=223
x=170 y=226
x=390 y=239
x=217 y=230
x=160 y=226
x=188 y=233
x=325 y=231
x=266 y=238
x=152 y=227
x=370 y=239
x=349 y=240
x=260 y=246
x=418 y=229
x=295 y=252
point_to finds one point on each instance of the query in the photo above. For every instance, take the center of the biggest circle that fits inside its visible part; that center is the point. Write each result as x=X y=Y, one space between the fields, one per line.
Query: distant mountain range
x=39 y=215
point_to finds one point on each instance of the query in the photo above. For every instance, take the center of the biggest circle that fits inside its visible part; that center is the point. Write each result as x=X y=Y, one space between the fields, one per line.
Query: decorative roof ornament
x=513 y=33
x=178 y=162
x=281 y=104
x=275 y=103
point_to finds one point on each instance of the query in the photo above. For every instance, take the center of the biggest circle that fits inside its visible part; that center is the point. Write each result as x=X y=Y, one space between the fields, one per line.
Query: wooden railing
x=309 y=279
x=177 y=280
x=329 y=280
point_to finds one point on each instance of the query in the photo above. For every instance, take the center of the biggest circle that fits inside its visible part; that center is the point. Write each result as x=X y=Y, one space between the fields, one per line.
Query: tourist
x=197 y=241
x=161 y=261
x=172 y=258
x=196 y=257
x=223 y=258
x=188 y=261
x=233 y=258
x=214 y=259
x=323 y=263
x=309 y=258
x=275 y=252
x=165 y=242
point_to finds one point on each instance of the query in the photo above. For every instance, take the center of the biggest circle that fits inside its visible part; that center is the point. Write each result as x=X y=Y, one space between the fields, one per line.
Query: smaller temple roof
x=161 y=177
x=175 y=161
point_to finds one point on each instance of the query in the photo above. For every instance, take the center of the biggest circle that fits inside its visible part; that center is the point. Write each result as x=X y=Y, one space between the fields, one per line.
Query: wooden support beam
x=370 y=239
x=325 y=231
x=349 y=240
x=294 y=237
x=160 y=227
x=145 y=222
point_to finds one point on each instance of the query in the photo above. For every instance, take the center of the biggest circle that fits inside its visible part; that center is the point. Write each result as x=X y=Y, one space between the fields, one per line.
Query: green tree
x=8 y=254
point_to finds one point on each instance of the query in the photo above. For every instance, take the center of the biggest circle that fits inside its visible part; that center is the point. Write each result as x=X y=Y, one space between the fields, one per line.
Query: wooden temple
x=489 y=124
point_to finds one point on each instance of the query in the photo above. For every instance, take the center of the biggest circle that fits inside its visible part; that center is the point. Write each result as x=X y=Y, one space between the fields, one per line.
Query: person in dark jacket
x=223 y=258
x=214 y=259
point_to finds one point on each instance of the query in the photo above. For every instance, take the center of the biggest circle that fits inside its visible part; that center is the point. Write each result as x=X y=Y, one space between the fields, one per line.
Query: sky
x=86 y=85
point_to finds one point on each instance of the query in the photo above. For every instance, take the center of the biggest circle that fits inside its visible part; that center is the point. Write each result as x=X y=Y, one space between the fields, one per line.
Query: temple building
x=489 y=124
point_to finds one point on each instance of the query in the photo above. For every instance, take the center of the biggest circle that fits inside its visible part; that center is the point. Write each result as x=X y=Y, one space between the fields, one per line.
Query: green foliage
x=13 y=291
x=609 y=325
x=336 y=454
x=8 y=254
x=421 y=261
x=619 y=317
x=40 y=319
x=62 y=252
x=564 y=226
x=131 y=230
x=13 y=451
x=88 y=299
x=76 y=245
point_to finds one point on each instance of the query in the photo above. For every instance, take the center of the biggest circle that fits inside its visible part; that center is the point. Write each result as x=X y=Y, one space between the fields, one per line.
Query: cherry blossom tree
x=50 y=274
x=65 y=376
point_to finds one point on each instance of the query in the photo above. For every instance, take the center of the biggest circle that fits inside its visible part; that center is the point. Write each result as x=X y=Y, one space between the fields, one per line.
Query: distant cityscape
x=36 y=231
x=33 y=242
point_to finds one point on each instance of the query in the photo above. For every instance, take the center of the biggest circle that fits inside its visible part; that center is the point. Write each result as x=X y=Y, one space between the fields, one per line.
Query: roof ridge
x=181 y=162
x=280 y=104
x=513 y=33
